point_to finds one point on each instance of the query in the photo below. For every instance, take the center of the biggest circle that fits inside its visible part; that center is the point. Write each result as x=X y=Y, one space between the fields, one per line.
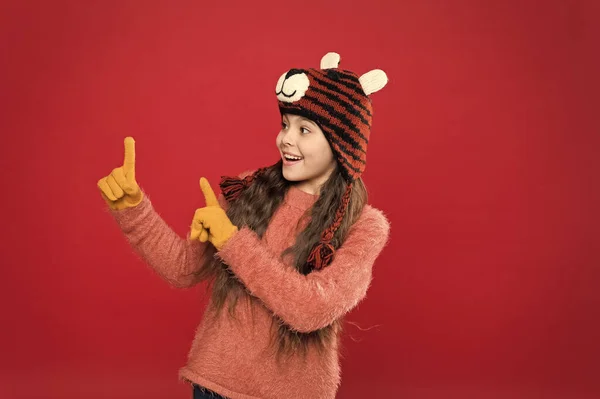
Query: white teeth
x=289 y=157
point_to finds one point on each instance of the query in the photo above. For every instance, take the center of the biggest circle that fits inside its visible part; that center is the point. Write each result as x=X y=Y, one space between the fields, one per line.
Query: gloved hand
x=211 y=223
x=119 y=189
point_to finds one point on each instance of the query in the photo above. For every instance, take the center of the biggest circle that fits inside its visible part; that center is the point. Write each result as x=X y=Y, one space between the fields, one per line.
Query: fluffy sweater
x=233 y=357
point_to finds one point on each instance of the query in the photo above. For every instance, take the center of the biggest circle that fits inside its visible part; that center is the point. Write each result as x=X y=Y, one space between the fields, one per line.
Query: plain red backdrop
x=483 y=154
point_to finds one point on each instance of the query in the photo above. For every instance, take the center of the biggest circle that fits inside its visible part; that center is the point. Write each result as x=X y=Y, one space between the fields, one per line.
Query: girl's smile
x=290 y=159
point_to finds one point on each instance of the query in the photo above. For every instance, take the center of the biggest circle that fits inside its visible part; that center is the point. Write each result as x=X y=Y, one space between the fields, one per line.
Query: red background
x=483 y=154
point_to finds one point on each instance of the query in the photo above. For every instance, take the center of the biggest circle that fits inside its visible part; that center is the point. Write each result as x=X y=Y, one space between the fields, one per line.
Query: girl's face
x=301 y=138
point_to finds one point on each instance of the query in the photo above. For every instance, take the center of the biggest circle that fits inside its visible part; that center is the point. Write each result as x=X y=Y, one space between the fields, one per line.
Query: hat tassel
x=233 y=186
x=322 y=253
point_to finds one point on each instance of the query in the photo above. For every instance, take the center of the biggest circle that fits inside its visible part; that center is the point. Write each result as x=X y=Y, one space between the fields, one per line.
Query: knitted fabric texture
x=233 y=357
x=338 y=101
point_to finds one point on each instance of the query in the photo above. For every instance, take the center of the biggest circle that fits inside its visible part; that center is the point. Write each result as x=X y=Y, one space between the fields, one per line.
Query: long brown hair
x=269 y=189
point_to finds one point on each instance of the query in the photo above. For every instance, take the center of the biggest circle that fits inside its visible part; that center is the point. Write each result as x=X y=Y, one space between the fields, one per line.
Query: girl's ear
x=373 y=81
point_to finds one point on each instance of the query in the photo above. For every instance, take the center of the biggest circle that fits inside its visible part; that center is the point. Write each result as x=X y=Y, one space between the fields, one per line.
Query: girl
x=288 y=249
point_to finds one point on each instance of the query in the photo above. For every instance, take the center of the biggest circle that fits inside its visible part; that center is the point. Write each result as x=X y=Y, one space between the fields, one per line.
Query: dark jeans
x=205 y=393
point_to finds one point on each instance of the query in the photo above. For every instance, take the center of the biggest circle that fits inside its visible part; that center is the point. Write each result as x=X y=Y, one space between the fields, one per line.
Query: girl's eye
x=303 y=129
x=283 y=125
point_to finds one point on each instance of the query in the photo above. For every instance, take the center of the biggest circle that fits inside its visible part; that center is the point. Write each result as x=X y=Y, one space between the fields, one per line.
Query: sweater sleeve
x=309 y=302
x=173 y=258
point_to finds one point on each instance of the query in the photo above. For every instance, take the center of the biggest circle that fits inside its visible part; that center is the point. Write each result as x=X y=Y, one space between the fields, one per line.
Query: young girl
x=287 y=249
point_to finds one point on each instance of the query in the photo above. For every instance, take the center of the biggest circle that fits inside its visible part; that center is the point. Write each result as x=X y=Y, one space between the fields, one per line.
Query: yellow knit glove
x=119 y=189
x=211 y=223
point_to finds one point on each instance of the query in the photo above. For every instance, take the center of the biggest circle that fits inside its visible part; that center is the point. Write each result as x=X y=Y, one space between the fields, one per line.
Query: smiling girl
x=288 y=250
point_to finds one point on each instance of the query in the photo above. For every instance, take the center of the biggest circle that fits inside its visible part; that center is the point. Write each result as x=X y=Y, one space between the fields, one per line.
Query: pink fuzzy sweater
x=231 y=357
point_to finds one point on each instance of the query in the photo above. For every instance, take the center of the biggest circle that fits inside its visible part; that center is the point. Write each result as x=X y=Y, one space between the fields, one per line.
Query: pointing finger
x=129 y=162
x=209 y=194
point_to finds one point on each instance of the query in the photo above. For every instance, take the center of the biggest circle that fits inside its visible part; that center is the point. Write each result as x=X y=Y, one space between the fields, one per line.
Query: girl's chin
x=292 y=176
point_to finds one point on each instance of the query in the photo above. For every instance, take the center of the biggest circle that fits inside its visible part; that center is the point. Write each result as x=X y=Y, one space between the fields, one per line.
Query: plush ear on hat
x=330 y=60
x=373 y=81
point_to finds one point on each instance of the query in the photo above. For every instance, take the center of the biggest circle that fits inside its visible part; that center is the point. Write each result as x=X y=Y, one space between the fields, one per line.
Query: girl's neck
x=299 y=198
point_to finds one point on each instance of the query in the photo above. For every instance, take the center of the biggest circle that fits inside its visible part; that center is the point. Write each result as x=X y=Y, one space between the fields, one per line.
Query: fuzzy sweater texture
x=234 y=357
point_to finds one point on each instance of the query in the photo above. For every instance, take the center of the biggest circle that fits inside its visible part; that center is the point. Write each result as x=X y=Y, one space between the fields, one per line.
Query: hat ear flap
x=373 y=81
x=330 y=60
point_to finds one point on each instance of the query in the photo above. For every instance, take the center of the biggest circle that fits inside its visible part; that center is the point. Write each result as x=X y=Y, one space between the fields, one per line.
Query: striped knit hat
x=338 y=101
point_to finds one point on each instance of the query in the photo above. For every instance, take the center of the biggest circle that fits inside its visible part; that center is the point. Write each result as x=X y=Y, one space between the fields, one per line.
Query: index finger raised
x=209 y=194
x=129 y=162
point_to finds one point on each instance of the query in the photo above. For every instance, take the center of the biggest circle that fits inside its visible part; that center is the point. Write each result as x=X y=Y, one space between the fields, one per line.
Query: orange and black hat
x=338 y=101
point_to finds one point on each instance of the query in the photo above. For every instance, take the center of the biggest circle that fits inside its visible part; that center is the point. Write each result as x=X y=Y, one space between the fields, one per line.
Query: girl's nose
x=288 y=139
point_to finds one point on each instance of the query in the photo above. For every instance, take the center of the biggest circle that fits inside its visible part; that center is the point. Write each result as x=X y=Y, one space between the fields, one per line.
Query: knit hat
x=338 y=101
